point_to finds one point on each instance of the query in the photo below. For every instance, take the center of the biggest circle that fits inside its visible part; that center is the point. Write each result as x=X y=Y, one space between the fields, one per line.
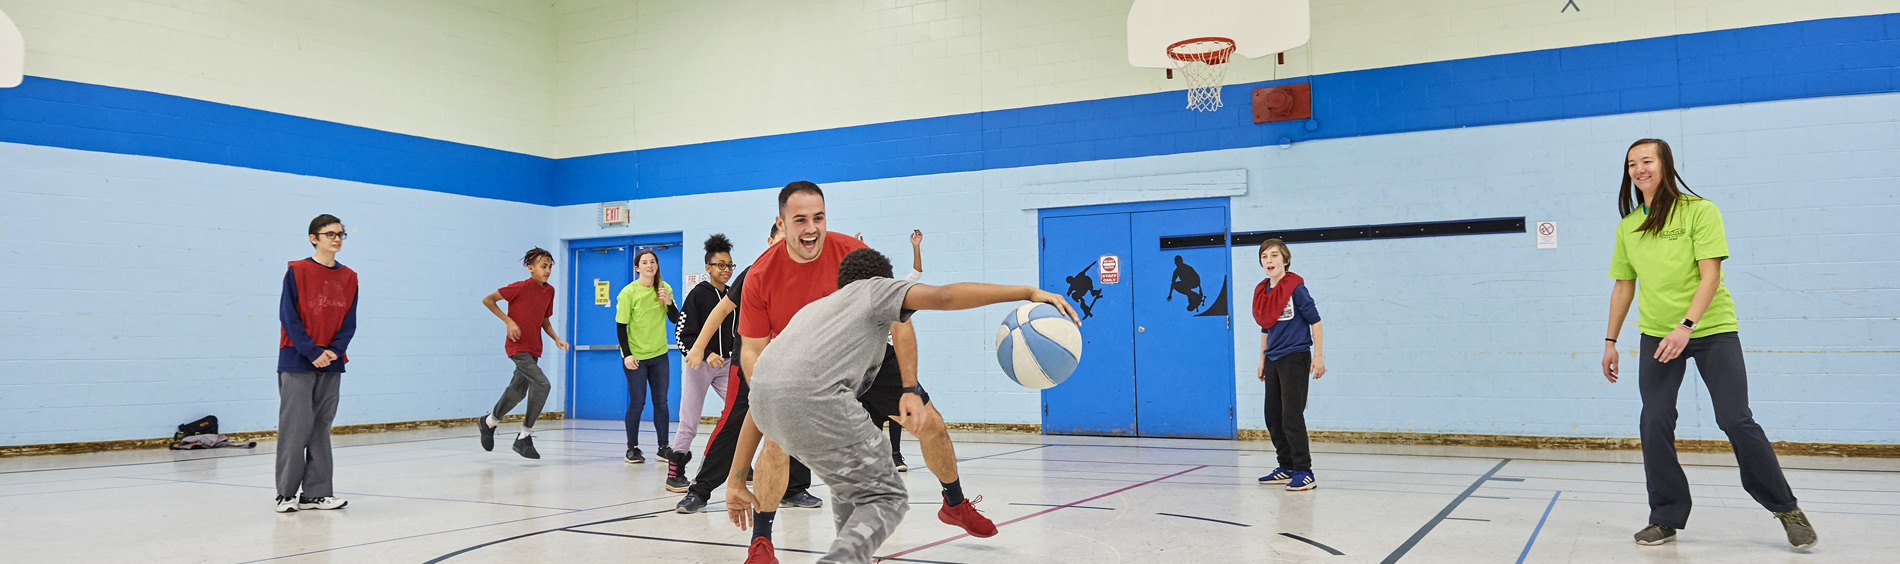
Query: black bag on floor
x=205 y=426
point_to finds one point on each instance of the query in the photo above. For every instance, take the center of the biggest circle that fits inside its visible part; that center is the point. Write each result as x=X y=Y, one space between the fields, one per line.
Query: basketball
x=1037 y=346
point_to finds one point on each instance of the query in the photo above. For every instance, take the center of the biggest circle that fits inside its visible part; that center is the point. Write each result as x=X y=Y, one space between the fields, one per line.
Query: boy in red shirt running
x=530 y=304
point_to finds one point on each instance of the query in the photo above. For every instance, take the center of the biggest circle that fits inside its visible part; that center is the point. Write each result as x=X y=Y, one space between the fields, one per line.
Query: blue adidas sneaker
x=1301 y=481
x=1279 y=476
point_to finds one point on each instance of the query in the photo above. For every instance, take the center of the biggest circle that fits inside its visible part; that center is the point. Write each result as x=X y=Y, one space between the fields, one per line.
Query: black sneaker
x=676 y=472
x=665 y=452
x=804 y=500
x=692 y=503
x=524 y=446
x=1654 y=535
x=488 y=432
x=1800 y=531
x=634 y=457
x=897 y=459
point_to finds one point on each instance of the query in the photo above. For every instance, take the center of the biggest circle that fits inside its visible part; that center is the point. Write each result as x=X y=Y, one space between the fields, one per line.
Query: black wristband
x=1609 y=339
x=919 y=390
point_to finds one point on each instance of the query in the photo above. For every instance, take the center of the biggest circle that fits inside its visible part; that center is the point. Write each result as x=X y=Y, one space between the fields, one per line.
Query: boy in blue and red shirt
x=1292 y=345
x=530 y=304
x=318 y=316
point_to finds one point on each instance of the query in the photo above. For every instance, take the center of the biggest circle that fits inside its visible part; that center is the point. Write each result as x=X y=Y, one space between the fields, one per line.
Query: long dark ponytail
x=1668 y=191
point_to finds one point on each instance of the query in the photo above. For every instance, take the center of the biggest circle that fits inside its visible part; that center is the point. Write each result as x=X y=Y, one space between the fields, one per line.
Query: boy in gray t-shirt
x=806 y=384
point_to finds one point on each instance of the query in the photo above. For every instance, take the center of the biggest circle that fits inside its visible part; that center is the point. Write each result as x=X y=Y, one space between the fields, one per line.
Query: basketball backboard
x=1257 y=27
x=12 y=53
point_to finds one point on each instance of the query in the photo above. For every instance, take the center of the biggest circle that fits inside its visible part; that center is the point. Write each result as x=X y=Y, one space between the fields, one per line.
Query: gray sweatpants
x=868 y=500
x=306 y=404
x=528 y=382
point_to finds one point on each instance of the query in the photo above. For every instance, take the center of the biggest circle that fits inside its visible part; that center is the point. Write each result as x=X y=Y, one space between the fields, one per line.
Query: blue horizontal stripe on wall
x=1857 y=55
x=1842 y=56
x=58 y=113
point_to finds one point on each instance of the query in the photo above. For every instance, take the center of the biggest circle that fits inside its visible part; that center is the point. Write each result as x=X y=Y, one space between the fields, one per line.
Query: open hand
x=1672 y=345
x=739 y=505
x=514 y=331
x=1062 y=305
x=1610 y=361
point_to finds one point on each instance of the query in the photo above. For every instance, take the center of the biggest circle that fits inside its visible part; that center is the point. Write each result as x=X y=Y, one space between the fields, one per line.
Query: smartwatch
x=1688 y=324
x=919 y=390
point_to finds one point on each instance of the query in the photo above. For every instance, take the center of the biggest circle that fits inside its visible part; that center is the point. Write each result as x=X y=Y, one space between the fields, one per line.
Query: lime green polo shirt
x=645 y=317
x=1664 y=267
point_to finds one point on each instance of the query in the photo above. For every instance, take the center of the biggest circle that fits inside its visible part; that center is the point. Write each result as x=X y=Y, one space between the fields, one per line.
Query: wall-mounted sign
x=613 y=213
x=1109 y=269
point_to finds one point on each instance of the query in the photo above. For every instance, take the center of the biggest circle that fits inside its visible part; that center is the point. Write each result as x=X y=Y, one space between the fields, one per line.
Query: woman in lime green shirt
x=1675 y=245
x=641 y=312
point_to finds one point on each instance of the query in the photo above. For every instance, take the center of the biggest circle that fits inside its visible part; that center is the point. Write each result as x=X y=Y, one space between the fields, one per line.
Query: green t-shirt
x=1664 y=266
x=645 y=317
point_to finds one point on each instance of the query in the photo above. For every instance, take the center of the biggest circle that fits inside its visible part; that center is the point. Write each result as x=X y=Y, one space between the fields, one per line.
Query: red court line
x=999 y=526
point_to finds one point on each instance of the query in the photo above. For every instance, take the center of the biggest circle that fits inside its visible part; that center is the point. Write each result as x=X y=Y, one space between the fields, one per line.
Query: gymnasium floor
x=434 y=496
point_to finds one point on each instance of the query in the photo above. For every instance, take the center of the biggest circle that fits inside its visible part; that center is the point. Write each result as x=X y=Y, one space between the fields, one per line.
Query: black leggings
x=1718 y=358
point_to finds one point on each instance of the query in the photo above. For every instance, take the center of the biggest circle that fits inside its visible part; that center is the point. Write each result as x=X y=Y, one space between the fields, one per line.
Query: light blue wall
x=142 y=293
x=1471 y=334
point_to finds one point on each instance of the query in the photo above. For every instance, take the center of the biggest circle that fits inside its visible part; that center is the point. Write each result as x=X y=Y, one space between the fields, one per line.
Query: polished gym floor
x=435 y=496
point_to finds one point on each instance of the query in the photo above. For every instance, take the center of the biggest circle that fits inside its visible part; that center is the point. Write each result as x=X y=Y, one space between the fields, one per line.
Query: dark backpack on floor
x=206 y=426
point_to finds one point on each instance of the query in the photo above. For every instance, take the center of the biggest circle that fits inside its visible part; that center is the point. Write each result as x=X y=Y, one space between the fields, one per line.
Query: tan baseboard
x=1850 y=450
x=241 y=436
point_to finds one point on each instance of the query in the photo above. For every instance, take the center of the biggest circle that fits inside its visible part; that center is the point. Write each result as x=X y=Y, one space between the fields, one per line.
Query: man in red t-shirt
x=797 y=271
x=530 y=304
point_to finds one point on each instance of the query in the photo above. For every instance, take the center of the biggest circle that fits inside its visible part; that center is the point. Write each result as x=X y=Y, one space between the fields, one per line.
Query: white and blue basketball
x=1038 y=346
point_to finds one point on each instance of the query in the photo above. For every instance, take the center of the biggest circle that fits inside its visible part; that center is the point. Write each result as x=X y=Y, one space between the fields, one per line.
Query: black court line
x=1467 y=519
x=1442 y=514
x=1074 y=506
x=526 y=535
x=1488 y=497
x=359 y=494
x=1203 y=519
x=734 y=545
x=1328 y=549
x=1507 y=479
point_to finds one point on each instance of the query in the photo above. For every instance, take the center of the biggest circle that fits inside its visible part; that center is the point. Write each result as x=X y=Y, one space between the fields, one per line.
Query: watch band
x=919 y=390
x=1688 y=324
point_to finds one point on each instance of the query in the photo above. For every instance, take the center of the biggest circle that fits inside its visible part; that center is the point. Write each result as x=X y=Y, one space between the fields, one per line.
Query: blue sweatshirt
x=1294 y=331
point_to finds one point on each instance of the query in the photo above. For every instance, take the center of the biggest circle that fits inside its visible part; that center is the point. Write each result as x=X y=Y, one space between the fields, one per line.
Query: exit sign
x=613 y=214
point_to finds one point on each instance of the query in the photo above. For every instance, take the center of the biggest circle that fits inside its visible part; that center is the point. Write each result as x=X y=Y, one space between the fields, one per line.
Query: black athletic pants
x=717 y=463
x=1287 y=380
x=1718 y=358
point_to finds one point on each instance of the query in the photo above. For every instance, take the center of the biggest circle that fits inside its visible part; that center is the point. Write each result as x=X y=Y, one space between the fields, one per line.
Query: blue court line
x=1443 y=513
x=1540 y=527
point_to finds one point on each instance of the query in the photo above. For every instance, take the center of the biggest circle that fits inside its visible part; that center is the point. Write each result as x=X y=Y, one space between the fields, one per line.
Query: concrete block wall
x=143 y=294
x=469 y=71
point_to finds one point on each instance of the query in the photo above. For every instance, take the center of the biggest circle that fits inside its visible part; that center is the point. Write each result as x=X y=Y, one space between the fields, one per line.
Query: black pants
x=652 y=375
x=717 y=463
x=1286 y=409
x=1718 y=358
x=881 y=400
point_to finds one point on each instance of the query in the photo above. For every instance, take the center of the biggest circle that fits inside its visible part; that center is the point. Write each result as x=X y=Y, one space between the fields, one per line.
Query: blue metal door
x=1099 y=397
x=597 y=383
x=1184 y=345
x=597 y=389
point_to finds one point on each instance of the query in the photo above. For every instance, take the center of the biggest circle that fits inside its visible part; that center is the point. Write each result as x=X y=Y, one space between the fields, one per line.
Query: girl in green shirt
x=1675 y=245
x=641 y=312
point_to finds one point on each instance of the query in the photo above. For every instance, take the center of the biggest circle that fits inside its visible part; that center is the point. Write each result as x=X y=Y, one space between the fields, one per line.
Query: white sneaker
x=321 y=503
x=286 y=504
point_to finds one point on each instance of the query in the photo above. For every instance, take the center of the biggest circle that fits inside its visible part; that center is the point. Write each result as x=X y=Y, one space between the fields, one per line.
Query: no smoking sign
x=1546 y=234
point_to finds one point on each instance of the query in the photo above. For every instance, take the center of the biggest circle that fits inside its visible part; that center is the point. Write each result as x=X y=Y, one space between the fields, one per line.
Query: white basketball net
x=1204 y=65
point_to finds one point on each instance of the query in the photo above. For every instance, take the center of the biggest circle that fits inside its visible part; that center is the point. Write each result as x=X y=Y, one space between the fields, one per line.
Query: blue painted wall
x=150 y=283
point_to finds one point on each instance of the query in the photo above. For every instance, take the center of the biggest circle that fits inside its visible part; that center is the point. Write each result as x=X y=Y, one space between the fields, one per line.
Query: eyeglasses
x=721 y=265
x=336 y=235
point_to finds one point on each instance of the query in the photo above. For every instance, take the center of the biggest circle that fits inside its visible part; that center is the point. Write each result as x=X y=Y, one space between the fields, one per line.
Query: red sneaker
x=761 y=552
x=966 y=516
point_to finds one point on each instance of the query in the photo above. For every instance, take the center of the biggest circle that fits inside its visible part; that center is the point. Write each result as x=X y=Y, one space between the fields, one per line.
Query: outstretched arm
x=970 y=295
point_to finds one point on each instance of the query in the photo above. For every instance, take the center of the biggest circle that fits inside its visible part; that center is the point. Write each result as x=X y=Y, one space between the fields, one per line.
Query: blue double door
x=597 y=385
x=1152 y=282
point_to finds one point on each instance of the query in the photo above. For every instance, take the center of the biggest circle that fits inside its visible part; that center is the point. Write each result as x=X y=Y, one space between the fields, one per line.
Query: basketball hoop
x=1202 y=61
